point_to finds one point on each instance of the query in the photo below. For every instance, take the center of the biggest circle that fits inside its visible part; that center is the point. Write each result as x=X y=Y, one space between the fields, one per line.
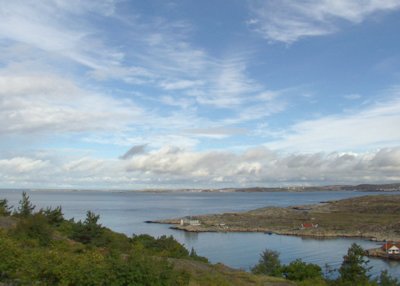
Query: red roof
x=306 y=225
x=388 y=245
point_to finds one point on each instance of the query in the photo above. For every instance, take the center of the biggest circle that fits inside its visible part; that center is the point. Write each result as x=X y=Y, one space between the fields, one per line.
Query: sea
x=128 y=211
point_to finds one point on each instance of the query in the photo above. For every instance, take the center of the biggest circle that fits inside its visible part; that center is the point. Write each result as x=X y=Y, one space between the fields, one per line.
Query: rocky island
x=371 y=217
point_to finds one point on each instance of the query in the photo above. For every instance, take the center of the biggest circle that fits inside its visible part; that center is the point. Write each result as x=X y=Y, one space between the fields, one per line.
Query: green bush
x=268 y=264
x=299 y=270
x=54 y=216
x=386 y=280
x=5 y=209
x=193 y=255
x=165 y=246
x=9 y=257
x=34 y=227
x=89 y=231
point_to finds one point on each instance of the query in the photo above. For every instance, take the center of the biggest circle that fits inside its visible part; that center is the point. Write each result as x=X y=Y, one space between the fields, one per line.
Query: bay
x=126 y=212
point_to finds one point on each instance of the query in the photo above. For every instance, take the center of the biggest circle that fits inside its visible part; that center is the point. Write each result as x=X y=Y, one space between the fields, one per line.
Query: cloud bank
x=175 y=168
x=290 y=20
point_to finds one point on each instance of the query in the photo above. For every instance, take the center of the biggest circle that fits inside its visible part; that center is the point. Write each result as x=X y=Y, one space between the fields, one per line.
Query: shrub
x=386 y=280
x=268 y=264
x=193 y=255
x=90 y=231
x=34 y=227
x=165 y=246
x=9 y=257
x=299 y=270
x=54 y=216
x=5 y=209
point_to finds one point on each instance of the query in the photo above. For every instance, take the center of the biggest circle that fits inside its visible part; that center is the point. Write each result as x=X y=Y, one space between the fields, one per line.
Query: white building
x=189 y=221
x=393 y=250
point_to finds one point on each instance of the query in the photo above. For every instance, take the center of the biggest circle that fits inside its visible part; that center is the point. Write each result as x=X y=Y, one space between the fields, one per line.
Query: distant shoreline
x=394 y=187
x=370 y=217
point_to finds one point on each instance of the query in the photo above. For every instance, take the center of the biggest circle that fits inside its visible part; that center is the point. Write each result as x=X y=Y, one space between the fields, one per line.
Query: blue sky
x=122 y=94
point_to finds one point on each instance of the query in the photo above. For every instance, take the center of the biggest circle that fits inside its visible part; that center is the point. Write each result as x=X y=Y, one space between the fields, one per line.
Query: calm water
x=126 y=212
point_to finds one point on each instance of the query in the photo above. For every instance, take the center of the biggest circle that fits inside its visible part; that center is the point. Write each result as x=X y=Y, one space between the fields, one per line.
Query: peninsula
x=372 y=217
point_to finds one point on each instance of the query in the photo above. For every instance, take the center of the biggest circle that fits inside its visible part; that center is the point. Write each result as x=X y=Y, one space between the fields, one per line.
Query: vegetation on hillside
x=352 y=272
x=43 y=248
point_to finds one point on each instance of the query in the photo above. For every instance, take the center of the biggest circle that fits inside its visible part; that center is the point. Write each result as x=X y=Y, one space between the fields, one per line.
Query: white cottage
x=391 y=248
x=189 y=221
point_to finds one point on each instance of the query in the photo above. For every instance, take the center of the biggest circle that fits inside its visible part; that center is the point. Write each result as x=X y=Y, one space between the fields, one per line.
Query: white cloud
x=19 y=165
x=43 y=103
x=152 y=52
x=172 y=167
x=375 y=126
x=181 y=84
x=263 y=166
x=62 y=30
x=290 y=20
x=216 y=132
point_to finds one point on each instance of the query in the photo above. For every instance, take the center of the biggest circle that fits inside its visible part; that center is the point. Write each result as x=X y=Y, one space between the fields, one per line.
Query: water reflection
x=190 y=237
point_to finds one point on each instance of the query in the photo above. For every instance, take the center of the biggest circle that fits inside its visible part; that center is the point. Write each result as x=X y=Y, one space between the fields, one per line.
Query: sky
x=129 y=94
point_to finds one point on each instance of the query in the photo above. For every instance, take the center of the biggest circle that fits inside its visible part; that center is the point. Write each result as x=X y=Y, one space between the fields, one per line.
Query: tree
x=193 y=254
x=25 y=207
x=299 y=270
x=5 y=209
x=89 y=231
x=54 y=216
x=386 y=280
x=268 y=264
x=354 y=268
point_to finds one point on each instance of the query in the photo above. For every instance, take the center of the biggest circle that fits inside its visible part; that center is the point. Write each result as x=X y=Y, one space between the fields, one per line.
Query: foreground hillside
x=42 y=248
x=373 y=217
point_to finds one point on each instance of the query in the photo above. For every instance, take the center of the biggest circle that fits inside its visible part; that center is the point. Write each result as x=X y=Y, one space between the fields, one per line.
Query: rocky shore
x=379 y=253
x=370 y=217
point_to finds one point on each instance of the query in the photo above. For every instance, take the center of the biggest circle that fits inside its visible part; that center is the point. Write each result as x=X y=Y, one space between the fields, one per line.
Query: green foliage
x=62 y=264
x=5 y=209
x=54 y=216
x=25 y=207
x=299 y=270
x=313 y=282
x=162 y=246
x=354 y=268
x=9 y=257
x=386 y=280
x=142 y=270
x=193 y=255
x=89 y=232
x=268 y=264
x=34 y=227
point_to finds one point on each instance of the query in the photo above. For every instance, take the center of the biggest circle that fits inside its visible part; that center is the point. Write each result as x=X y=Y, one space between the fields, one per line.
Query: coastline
x=371 y=217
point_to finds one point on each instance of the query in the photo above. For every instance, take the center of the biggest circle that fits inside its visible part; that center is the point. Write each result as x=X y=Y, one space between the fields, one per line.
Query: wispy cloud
x=290 y=20
x=216 y=132
x=62 y=29
x=373 y=126
x=44 y=103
